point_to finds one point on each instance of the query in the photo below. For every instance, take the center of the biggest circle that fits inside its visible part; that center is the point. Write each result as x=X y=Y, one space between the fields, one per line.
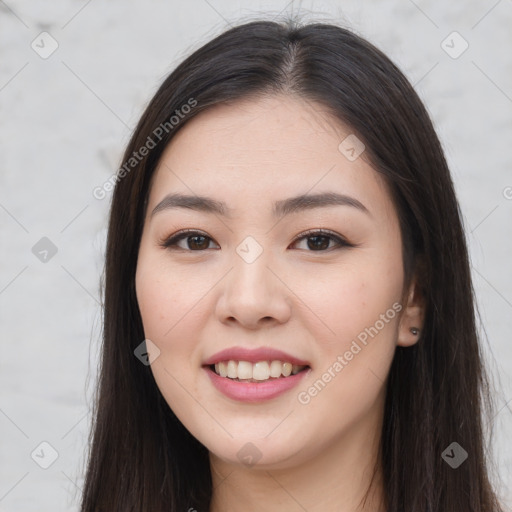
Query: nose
x=253 y=295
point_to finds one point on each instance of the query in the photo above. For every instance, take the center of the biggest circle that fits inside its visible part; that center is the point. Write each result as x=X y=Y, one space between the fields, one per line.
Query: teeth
x=262 y=370
x=223 y=371
x=276 y=368
x=287 y=369
x=232 y=370
x=244 y=370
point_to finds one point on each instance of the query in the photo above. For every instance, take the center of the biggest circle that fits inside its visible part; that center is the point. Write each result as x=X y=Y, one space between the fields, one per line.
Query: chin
x=259 y=453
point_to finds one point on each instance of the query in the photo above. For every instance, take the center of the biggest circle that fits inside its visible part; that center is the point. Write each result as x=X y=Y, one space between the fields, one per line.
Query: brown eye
x=194 y=241
x=197 y=242
x=320 y=240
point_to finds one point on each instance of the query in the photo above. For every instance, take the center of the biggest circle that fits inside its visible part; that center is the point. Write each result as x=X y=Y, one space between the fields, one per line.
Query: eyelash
x=171 y=242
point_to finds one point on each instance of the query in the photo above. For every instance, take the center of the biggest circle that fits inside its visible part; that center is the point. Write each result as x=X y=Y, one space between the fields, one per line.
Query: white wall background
x=64 y=121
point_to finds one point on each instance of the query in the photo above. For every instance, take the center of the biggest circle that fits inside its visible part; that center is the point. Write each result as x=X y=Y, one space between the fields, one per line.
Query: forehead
x=273 y=127
x=272 y=146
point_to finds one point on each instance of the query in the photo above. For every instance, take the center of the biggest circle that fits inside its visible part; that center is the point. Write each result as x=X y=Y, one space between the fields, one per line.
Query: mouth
x=260 y=371
x=255 y=375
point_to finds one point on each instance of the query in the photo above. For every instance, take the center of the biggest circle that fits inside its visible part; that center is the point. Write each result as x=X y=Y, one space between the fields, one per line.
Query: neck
x=338 y=478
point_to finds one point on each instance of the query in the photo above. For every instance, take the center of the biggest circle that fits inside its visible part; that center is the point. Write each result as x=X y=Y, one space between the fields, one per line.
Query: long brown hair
x=141 y=456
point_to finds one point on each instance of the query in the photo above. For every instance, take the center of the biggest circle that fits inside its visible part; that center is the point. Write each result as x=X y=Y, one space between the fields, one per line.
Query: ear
x=411 y=321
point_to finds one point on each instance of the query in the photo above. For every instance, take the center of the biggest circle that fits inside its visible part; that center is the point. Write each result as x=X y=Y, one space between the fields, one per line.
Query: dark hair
x=141 y=456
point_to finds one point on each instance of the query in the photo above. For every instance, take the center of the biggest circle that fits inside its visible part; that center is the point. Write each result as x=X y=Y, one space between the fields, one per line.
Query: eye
x=317 y=240
x=321 y=239
x=194 y=241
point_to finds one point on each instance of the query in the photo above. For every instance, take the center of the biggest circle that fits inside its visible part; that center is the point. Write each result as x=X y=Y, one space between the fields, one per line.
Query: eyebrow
x=280 y=209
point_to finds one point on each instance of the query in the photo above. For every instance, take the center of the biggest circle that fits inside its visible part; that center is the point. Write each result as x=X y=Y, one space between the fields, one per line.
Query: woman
x=289 y=321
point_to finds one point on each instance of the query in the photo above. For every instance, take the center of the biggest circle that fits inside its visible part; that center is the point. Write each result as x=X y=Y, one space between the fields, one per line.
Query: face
x=263 y=287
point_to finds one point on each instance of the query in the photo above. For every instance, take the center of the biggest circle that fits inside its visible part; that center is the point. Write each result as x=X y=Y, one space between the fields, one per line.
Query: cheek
x=359 y=306
x=169 y=304
x=164 y=320
x=346 y=300
x=351 y=371
x=174 y=307
x=168 y=299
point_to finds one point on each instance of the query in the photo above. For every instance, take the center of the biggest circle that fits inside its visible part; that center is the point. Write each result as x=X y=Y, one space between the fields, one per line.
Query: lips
x=253 y=356
x=254 y=375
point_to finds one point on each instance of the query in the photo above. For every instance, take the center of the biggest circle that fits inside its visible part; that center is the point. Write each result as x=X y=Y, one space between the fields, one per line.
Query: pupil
x=320 y=245
x=201 y=246
x=320 y=242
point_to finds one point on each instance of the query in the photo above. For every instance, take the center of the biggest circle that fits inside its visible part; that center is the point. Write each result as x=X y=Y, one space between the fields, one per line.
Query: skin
x=310 y=303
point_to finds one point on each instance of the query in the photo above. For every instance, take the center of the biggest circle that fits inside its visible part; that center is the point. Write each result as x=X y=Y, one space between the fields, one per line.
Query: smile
x=254 y=374
x=245 y=371
x=253 y=390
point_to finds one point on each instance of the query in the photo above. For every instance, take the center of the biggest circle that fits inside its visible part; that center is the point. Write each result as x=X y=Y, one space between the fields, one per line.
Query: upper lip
x=253 y=356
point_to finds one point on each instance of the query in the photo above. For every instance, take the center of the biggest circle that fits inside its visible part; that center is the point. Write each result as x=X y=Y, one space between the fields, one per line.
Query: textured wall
x=65 y=117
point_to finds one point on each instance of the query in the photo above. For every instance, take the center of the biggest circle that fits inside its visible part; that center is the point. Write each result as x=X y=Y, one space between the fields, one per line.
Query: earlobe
x=411 y=322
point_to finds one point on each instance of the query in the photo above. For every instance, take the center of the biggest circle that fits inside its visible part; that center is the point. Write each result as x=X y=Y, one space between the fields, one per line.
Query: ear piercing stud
x=414 y=330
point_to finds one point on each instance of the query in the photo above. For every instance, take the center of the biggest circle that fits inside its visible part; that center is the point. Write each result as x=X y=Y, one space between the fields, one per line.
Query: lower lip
x=254 y=391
